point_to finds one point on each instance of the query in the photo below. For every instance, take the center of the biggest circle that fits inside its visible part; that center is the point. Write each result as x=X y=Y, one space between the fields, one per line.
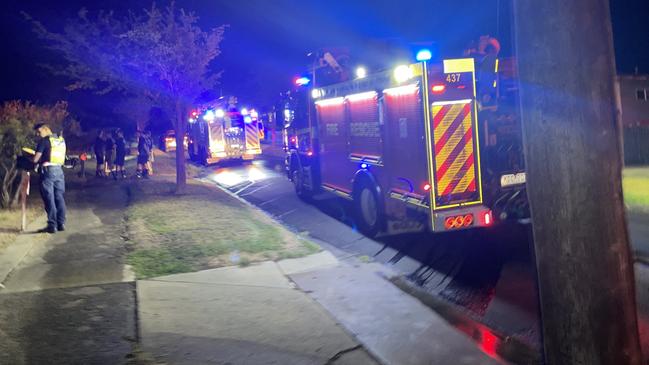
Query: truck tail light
x=458 y=221
x=438 y=89
x=426 y=187
x=487 y=218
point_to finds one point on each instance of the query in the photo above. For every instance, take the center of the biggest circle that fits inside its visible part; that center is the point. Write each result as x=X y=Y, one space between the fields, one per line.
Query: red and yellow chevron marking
x=252 y=137
x=454 y=155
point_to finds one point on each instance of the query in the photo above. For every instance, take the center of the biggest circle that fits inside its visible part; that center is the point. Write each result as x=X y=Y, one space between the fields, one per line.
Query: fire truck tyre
x=298 y=183
x=366 y=204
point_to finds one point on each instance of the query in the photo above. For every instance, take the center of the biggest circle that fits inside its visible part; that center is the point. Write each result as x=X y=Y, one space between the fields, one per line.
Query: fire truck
x=427 y=145
x=219 y=131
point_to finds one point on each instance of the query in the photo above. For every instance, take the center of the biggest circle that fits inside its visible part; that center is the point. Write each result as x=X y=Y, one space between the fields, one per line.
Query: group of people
x=110 y=152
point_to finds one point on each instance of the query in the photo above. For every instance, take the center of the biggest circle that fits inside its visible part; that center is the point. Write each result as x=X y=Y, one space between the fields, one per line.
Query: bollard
x=24 y=192
x=25 y=165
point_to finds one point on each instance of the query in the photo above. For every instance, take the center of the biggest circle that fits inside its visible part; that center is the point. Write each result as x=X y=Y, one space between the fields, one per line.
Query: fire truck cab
x=406 y=147
x=220 y=132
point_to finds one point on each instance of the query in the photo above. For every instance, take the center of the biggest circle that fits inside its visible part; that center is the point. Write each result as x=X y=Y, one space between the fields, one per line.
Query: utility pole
x=573 y=157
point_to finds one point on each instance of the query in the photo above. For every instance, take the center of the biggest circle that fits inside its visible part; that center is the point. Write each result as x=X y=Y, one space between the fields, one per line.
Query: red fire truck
x=412 y=147
x=218 y=131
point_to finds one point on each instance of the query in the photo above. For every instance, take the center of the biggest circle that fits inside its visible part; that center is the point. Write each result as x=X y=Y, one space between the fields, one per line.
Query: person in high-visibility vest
x=50 y=156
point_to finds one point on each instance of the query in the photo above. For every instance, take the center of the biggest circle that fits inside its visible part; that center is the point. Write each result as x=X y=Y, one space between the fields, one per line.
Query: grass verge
x=635 y=183
x=202 y=229
x=10 y=220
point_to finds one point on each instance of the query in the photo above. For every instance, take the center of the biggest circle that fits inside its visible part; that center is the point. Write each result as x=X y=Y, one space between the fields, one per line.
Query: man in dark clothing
x=120 y=154
x=100 y=153
x=110 y=152
x=149 y=141
x=143 y=155
x=50 y=155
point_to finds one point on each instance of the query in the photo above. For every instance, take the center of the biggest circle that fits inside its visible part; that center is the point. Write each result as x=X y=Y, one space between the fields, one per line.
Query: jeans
x=52 y=189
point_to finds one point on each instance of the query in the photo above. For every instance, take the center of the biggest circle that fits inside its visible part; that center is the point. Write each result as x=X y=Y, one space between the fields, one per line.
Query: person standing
x=149 y=141
x=143 y=155
x=50 y=156
x=110 y=153
x=100 y=153
x=120 y=154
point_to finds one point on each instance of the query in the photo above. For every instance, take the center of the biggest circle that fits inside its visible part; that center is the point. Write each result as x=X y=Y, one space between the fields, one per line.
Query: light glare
x=361 y=73
x=402 y=73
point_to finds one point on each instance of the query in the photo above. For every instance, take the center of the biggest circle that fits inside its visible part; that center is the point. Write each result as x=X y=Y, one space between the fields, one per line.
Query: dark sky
x=267 y=41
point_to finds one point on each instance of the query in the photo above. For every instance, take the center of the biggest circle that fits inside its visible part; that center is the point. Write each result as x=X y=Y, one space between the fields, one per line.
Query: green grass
x=635 y=183
x=200 y=230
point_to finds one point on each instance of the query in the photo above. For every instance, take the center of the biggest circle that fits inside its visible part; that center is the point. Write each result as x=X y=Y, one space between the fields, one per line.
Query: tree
x=162 y=54
x=17 y=120
x=136 y=109
x=573 y=159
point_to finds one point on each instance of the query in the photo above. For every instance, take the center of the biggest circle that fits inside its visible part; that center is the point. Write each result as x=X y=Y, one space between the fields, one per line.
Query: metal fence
x=636 y=145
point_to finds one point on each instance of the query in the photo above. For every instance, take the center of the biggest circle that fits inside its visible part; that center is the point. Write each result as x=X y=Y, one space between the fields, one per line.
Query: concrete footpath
x=69 y=298
x=312 y=310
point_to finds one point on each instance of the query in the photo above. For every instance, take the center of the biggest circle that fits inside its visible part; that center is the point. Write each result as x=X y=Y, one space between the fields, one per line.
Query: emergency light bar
x=424 y=55
x=302 y=81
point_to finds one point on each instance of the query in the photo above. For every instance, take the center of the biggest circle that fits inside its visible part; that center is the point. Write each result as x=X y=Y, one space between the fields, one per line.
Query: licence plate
x=512 y=179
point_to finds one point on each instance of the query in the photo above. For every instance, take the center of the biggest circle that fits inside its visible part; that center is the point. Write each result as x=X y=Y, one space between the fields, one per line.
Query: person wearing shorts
x=109 y=156
x=143 y=156
x=120 y=154
x=100 y=153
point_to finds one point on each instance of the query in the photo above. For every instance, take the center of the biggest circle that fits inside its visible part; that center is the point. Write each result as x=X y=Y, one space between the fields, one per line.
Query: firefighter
x=50 y=156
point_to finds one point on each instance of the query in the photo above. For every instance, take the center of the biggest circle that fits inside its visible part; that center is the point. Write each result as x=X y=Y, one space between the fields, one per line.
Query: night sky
x=267 y=41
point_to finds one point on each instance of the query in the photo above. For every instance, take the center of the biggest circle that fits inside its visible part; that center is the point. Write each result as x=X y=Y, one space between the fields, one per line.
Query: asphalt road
x=486 y=277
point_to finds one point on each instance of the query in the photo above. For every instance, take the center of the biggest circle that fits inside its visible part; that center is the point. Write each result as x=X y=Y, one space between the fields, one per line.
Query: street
x=488 y=280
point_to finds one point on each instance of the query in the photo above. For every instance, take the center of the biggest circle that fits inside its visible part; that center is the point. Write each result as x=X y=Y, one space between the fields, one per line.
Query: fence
x=636 y=145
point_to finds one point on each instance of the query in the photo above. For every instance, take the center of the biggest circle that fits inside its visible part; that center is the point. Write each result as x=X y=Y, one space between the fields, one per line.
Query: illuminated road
x=487 y=278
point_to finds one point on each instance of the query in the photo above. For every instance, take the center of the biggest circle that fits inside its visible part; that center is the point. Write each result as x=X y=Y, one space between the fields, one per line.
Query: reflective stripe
x=57 y=150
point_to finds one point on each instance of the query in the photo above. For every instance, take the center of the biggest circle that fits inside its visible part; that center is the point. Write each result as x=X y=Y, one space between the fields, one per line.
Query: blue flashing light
x=209 y=116
x=302 y=81
x=247 y=119
x=364 y=166
x=424 y=55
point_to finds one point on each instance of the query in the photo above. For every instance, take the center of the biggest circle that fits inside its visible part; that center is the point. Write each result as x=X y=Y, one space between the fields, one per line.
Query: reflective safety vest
x=57 y=152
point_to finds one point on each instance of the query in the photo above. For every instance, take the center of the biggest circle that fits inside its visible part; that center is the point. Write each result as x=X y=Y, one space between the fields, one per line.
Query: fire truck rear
x=420 y=146
x=219 y=133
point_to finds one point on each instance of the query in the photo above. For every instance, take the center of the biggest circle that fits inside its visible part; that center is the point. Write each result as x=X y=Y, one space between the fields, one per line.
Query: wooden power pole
x=572 y=150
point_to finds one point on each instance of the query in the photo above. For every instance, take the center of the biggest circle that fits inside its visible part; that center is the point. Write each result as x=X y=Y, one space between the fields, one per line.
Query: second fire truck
x=219 y=131
x=420 y=146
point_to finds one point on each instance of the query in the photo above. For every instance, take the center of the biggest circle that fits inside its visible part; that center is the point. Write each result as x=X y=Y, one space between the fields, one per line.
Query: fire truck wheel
x=298 y=183
x=368 y=217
